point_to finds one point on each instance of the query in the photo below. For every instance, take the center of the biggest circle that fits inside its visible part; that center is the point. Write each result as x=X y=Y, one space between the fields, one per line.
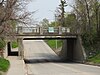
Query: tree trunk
x=88 y=16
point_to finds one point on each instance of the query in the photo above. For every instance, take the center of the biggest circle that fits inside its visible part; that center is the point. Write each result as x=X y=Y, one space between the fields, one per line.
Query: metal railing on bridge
x=43 y=31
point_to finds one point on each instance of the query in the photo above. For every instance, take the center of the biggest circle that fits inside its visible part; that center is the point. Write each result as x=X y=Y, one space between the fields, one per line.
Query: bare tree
x=13 y=11
x=62 y=6
x=97 y=15
x=84 y=9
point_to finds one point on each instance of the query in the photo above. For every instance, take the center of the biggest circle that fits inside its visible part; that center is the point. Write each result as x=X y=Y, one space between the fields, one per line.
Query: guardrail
x=41 y=30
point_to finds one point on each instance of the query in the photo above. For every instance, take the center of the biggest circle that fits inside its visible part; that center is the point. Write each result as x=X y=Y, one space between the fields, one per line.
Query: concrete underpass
x=40 y=61
x=38 y=51
x=72 y=49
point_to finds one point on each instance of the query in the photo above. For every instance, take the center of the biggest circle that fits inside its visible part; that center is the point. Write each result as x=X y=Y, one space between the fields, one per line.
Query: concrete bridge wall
x=73 y=50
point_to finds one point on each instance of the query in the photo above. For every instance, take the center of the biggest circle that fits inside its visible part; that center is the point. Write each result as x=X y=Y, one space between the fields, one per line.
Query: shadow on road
x=45 y=58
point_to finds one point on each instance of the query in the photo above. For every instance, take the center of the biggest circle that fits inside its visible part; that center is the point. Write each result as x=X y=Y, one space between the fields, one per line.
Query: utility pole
x=62 y=8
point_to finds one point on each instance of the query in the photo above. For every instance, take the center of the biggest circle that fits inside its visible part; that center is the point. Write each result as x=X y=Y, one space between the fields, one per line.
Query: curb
x=91 y=63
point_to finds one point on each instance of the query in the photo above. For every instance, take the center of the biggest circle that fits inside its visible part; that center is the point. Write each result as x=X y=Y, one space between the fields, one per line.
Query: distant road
x=39 y=51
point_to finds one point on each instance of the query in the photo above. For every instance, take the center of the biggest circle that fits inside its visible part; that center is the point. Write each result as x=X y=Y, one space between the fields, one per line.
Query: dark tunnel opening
x=11 y=53
x=69 y=50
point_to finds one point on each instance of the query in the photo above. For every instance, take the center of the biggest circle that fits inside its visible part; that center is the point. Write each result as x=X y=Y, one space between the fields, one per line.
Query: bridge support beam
x=73 y=50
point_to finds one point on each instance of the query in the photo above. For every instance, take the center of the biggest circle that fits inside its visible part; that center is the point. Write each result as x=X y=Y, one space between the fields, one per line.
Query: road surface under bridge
x=40 y=61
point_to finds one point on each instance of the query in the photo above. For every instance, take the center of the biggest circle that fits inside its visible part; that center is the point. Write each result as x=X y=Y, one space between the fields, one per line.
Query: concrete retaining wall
x=73 y=50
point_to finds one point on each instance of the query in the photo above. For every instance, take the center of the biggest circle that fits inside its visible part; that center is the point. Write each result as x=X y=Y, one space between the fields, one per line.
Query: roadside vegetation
x=95 y=59
x=54 y=43
x=14 y=44
x=4 y=64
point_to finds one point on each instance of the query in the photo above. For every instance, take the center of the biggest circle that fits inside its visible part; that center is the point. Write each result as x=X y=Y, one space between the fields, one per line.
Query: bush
x=4 y=64
x=90 y=43
x=14 y=44
x=95 y=59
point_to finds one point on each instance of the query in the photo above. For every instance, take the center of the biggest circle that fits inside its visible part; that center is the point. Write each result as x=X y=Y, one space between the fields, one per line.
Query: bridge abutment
x=73 y=50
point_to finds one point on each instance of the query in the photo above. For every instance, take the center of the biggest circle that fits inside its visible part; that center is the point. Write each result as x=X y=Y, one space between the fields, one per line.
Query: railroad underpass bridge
x=72 y=48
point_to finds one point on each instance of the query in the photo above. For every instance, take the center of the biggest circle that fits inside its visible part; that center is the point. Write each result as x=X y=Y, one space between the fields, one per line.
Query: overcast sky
x=46 y=8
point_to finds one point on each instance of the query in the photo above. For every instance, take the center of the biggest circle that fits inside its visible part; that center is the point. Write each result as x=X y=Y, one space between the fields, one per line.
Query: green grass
x=14 y=44
x=0 y=74
x=4 y=64
x=95 y=59
x=52 y=43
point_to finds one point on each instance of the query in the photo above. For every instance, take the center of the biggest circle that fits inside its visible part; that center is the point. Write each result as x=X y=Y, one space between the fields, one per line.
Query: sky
x=46 y=8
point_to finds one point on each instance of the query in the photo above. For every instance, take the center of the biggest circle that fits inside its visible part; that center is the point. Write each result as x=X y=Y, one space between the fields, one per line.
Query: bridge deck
x=45 y=36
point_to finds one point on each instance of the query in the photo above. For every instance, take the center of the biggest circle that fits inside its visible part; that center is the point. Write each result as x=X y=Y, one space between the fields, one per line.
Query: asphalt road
x=39 y=54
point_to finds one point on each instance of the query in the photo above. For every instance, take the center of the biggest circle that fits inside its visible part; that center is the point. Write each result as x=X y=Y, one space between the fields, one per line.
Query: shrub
x=4 y=64
x=14 y=44
x=90 y=43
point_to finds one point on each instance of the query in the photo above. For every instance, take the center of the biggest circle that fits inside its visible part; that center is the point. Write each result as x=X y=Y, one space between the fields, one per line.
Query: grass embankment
x=14 y=44
x=95 y=59
x=52 y=43
x=4 y=64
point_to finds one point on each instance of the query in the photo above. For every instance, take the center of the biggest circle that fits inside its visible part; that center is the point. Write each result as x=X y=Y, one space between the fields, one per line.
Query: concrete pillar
x=60 y=30
x=41 y=30
x=6 y=51
x=20 y=48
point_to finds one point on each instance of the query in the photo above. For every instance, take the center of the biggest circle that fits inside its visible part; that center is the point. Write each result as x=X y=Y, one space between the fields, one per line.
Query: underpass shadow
x=45 y=58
